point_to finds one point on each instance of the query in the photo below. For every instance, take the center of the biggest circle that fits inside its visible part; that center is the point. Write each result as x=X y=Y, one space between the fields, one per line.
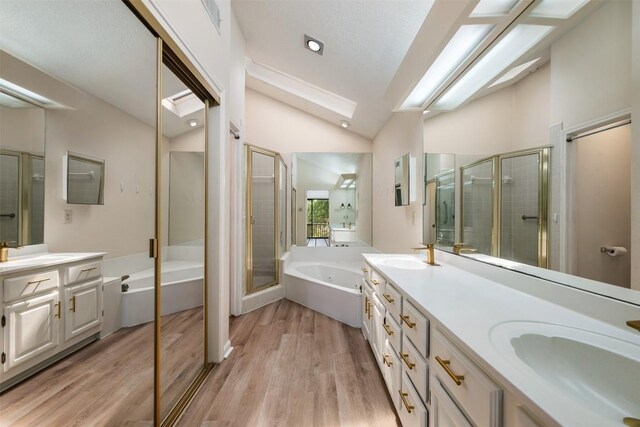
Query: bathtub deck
x=109 y=382
x=293 y=367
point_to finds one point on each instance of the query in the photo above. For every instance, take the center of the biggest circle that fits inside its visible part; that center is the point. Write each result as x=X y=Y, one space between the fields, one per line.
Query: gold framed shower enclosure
x=278 y=193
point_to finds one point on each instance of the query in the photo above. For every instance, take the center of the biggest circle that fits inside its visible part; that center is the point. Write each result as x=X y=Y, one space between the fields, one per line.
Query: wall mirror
x=84 y=179
x=95 y=73
x=182 y=334
x=530 y=178
x=22 y=171
x=333 y=199
x=402 y=175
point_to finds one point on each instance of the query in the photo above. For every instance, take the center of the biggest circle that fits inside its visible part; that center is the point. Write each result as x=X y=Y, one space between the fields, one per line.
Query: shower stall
x=505 y=206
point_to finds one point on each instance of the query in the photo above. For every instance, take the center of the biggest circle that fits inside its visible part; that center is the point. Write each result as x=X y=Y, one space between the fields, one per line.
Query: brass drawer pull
x=406 y=320
x=366 y=304
x=33 y=282
x=73 y=304
x=57 y=305
x=375 y=282
x=84 y=270
x=388 y=297
x=387 y=360
x=364 y=270
x=387 y=329
x=369 y=310
x=631 y=422
x=445 y=365
x=404 y=396
x=405 y=357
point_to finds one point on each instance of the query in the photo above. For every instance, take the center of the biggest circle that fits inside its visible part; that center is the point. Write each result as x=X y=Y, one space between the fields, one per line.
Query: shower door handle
x=252 y=219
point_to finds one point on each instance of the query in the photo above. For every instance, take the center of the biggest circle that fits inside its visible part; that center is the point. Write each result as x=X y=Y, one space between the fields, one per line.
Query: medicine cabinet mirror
x=84 y=182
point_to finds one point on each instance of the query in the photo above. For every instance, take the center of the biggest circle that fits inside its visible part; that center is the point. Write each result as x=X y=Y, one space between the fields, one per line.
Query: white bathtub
x=331 y=288
x=182 y=288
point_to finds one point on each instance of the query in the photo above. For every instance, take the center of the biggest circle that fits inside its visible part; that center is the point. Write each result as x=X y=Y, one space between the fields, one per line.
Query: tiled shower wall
x=477 y=207
x=518 y=237
x=9 y=197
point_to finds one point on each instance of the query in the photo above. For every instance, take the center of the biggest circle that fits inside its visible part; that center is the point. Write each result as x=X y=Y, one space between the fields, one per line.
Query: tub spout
x=125 y=277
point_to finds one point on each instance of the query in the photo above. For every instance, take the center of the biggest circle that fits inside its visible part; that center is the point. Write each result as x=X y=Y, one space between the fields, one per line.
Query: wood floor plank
x=293 y=367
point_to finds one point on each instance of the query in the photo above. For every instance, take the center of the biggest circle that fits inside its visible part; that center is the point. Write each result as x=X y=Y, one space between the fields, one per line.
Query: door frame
x=568 y=234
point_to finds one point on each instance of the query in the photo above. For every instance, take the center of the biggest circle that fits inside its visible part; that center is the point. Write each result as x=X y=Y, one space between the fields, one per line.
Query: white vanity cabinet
x=48 y=311
x=84 y=308
x=30 y=329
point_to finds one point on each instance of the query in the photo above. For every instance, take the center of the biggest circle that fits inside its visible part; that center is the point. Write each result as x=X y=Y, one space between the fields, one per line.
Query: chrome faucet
x=461 y=248
x=431 y=254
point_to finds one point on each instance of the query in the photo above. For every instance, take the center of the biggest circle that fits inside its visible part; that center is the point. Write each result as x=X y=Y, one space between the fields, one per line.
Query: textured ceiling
x=97 y=46
x=365 y=41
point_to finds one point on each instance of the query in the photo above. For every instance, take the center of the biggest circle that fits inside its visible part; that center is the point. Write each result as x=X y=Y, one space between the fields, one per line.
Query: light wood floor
x=293 y=367
x=110 y=382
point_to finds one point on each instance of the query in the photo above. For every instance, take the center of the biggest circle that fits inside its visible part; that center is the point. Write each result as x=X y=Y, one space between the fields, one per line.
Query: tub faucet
x=125 y=277
x=431 y=254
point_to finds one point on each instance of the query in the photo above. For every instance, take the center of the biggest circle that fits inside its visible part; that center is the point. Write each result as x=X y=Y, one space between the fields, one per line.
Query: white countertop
x=44 y=259
x=467 y=307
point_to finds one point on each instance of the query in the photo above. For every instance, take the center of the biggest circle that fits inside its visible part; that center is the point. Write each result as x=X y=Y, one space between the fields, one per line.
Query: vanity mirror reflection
x=538 y=168
x=22 y=170
x=333 y=199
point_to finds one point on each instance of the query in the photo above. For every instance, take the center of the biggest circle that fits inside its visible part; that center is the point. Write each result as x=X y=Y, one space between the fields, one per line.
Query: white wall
x=396 y=229
x=22 y=129
x=591 y=67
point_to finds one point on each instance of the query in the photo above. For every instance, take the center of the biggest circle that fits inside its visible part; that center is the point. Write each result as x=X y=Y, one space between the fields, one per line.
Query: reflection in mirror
x=91 y=66
x=402 y=185
x=543 y=165
x=282 y=212
x=21 y=171
x=84 y=177
x=439 y=199
x=333 y=199
x=182 y=288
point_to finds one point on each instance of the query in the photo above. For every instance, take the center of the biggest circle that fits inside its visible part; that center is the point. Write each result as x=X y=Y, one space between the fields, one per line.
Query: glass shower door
x=523 y=200
x=477 y=206
x=262 y=221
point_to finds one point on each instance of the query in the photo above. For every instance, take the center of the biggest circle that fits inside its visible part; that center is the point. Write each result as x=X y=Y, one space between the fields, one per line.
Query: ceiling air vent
x=214 y=12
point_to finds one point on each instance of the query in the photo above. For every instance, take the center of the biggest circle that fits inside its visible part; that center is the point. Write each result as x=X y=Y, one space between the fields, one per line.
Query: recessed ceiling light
x=192 y=123
x=515 y=44
x=313 y=44
x=345 y=124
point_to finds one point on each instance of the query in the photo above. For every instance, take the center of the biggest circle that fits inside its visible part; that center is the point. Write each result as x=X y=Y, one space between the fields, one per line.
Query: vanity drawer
x=416 y=367
x=391 y=371
x=412 y=411
x=479 y=397
x=392 y=331
x=85 y=271
x=377 y=281
x=416 y=326
x=30 y=284
x=392 y=299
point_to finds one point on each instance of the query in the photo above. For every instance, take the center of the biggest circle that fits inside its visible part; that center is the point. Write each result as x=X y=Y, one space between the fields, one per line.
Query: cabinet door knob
x=446 y=366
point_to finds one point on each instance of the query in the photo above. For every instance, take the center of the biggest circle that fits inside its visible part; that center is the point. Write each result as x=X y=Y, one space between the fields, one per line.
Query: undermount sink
x=404 y=263
x=598 y=371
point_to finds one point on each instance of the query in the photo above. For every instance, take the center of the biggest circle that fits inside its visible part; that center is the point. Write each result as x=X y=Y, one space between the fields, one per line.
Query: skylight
x=514 y=72
x=515 y=44
x=183 y=103
x=561 y=9
x=493 y=8
x=461 y=45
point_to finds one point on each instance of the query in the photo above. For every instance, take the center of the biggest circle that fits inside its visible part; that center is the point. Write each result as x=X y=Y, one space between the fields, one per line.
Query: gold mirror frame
x=169 y=53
